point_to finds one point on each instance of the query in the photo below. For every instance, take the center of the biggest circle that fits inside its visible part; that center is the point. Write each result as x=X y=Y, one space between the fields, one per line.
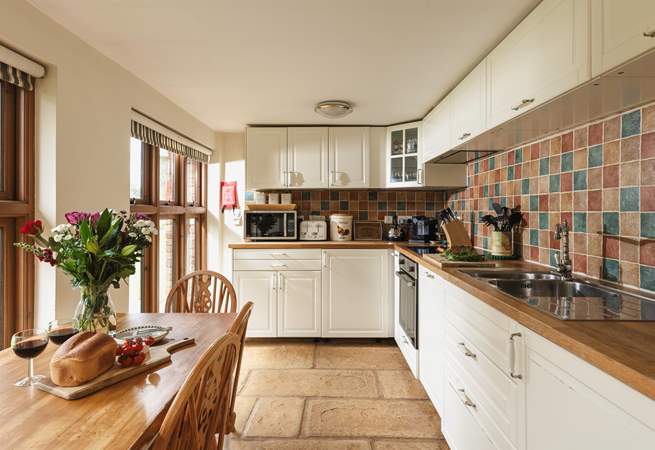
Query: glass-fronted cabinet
x=403 y=147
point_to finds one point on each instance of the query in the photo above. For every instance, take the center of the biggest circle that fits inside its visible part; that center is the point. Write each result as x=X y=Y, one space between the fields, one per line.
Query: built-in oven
x=408 y=298
x=270 y=225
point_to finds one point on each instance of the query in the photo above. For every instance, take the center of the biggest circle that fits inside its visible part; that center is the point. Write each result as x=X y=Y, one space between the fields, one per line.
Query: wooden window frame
x=16 y=207
x=146 y=175
x=181 y=211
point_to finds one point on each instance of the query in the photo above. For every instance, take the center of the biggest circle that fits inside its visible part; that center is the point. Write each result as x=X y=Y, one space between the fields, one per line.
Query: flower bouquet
x=97 y=251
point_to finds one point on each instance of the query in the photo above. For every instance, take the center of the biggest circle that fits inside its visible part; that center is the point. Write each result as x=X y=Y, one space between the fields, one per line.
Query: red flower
x=48 y=256
x=33 y=227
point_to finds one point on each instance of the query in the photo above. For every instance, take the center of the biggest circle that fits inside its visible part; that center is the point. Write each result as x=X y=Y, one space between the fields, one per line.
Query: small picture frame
x=367 y=230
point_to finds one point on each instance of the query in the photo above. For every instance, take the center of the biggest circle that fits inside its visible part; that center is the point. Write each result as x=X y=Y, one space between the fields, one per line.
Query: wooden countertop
x=317 y=244
x=125 y=415
x=624 y=350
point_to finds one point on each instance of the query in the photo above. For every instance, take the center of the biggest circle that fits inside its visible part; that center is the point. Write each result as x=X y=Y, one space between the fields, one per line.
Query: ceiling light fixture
x=333 y=109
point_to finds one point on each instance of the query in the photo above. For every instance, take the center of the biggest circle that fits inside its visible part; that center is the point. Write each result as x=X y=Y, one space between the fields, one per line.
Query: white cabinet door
x=349 y=157
x=436 y=131
x=431 y=335
x=308 y=157
x=266 y=158
x=356 y=293
x=259 y=288
x=620 y=30
x=571 y=405
x=403 y=156
x=543 y=57
x=468 y=106
x=299 y=304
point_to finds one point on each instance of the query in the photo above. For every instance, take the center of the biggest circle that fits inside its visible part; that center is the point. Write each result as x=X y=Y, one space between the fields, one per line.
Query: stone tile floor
x=337 y=395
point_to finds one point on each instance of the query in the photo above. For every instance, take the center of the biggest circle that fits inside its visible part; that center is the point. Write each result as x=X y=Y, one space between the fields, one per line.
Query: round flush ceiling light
x=333 y=109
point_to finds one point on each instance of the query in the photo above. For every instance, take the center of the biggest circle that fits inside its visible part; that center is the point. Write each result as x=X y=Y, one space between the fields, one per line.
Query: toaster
x=313 y=230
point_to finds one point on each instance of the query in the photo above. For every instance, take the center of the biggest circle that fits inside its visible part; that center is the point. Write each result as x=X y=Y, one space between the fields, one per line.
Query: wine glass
x=29 y=344
x=60 y=330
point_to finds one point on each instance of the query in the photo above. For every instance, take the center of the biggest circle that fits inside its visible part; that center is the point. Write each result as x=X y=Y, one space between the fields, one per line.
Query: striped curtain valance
x=14 y=76
x=152 y=137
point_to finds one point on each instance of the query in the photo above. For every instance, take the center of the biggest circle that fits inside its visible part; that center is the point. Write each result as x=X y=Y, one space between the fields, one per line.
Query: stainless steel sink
x=513 y=275
x=569 y=300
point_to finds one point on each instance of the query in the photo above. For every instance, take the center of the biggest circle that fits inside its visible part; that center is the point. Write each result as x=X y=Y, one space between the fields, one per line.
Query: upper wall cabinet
x=620 y=31
x=543 y=57
x=266 y=158
x=308 y=157
x=403 y=155
x=468 y=106
x=349 y=157
x=436 y=131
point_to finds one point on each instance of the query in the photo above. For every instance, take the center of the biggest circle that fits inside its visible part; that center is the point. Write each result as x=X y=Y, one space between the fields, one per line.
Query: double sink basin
x=568 y=299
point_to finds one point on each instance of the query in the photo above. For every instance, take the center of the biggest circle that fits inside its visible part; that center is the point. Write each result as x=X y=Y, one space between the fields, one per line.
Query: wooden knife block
x=456 y=234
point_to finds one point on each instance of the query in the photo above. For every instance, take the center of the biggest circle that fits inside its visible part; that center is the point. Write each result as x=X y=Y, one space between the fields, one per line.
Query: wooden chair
x=239 y=329
x=202 y=404
x=202 y=292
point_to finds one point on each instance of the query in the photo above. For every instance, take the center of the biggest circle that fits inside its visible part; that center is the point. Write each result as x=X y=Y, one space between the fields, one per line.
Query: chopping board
x=159 y=354
x=443 y=262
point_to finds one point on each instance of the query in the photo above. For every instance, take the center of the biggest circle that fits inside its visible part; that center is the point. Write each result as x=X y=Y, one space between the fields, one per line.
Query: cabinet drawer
x=276 y=264
x=486 y=328
x=499 y=392
x=468 y=422
x=460 y=426
x=283 y=254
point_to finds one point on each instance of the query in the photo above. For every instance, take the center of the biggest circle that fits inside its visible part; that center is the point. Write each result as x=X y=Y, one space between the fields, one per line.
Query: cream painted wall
x=83 y=131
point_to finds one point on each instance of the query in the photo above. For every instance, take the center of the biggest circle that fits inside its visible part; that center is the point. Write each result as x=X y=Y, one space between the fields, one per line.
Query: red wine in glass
x=28 y=344
x=59 y=331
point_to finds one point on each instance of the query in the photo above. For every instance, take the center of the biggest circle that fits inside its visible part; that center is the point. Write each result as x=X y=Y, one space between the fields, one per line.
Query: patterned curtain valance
x=14 y=76
x=152 y=137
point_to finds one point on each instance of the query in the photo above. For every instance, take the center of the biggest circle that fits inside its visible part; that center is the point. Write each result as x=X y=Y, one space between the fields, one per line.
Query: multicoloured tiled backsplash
x=600 y=177
x=369 y=204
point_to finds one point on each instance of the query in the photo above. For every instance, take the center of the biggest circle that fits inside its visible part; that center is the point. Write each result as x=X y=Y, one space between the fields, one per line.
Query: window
x=172 y=189
x=167 y=186
x=16 y=206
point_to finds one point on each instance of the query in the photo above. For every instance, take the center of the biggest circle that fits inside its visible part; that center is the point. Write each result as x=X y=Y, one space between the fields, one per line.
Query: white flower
x=148 y=238
x=132 y=234
x=145 y=231
x=63 y=232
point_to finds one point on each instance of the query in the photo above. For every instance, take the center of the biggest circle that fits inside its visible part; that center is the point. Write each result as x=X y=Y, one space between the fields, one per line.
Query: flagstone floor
x=301 y=395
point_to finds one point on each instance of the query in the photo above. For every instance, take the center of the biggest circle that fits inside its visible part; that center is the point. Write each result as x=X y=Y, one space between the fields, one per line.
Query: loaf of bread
x=82 y=358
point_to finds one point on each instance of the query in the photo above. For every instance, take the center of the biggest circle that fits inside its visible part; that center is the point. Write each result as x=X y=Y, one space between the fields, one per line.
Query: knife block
x=456 y=235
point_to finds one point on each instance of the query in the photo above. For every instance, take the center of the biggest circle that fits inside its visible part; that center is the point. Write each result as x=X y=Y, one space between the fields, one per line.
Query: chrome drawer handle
x=462 y=346
x=279 y=265
x=649 y=34
x=525 y=102
x=429 y=275
x=464 y=136
x=512 y=356
x=275 y=255
x=465 y=399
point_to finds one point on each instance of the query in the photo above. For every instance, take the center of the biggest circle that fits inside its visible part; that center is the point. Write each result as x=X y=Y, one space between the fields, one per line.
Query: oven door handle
x=406 y=278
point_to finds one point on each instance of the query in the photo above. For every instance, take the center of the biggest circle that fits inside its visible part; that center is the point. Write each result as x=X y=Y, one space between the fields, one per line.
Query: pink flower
x=77 y=217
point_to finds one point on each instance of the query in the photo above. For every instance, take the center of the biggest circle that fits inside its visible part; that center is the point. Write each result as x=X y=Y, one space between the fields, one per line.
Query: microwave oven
x=270 y=225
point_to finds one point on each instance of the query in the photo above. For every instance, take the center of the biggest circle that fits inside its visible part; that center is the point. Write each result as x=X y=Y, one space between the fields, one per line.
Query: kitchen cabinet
x=356 y=293
x=468 y=106
x=571 y=405
x=266 y=158
x=299 y=304
x=620 y=31
x=259 y=287
x=403 y=155
x=349 y=156
x=546 y=55
x=285 y=287
x=307 y=161
x=436 y=131
x=431 y=335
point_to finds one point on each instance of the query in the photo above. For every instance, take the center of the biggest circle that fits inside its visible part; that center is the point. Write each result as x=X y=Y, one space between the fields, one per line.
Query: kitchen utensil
x=395 y=232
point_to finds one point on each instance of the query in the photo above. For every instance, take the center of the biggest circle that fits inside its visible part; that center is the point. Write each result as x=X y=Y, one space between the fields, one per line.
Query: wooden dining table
x=124 y=415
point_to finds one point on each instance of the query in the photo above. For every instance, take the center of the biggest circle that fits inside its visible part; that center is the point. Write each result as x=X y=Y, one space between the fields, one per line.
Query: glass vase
x=95 y=311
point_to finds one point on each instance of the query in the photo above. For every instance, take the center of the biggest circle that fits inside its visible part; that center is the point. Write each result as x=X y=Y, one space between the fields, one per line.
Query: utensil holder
x=502 y=243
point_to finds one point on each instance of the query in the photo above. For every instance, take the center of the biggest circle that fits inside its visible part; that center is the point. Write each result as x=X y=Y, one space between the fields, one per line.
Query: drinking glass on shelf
x=29 y=344
x=60 y=330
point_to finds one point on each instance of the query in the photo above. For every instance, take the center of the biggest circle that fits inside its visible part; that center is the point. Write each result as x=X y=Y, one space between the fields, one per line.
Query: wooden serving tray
x=443 y=262
x=159 y=355
x=271 y=207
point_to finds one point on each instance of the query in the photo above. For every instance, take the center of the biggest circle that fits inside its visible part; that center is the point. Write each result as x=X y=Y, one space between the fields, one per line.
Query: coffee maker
x=423 y=229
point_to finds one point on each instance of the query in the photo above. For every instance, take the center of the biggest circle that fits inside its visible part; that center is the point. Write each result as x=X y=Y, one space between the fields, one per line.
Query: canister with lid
x=341 y=227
